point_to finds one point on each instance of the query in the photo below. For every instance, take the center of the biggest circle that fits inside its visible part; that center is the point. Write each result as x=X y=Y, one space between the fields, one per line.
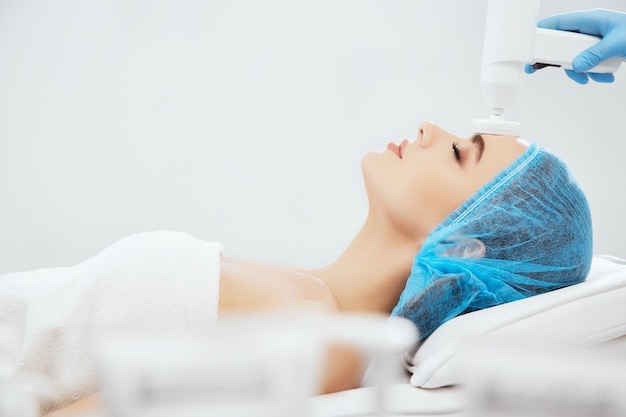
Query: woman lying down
x=454 y=225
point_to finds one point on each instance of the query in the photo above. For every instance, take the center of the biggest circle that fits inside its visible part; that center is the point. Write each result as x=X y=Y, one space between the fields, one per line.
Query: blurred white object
x=401 y=400
x=512 y=40
x=17 y=400
x=23 y=395
x=518 y=379
x=267 y=366
x=236 y=371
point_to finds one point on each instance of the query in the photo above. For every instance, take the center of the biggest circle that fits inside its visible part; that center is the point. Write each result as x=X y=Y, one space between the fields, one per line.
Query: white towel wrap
x=47 y=315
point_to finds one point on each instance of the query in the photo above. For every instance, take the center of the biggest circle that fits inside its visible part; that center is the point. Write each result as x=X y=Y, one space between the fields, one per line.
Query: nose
x=425 y=135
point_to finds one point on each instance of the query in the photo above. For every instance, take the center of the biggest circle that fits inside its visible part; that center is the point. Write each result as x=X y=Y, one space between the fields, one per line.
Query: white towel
x=46 y=315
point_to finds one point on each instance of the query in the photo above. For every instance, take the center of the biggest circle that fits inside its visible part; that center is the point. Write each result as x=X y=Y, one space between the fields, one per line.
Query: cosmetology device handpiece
x=512 y=40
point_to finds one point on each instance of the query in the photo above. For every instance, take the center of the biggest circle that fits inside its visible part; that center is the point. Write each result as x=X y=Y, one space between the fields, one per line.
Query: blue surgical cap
x=535 y=224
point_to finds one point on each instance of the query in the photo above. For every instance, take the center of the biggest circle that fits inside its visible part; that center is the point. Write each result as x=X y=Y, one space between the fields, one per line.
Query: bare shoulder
x=249 y=286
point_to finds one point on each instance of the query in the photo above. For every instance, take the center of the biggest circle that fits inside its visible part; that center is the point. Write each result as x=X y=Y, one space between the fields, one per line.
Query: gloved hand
x=609 y=24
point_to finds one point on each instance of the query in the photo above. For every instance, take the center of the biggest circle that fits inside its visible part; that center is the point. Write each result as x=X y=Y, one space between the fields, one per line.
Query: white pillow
x=585 y=314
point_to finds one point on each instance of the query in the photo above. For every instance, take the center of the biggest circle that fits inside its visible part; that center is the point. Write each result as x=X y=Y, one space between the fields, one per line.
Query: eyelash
x=457 y=153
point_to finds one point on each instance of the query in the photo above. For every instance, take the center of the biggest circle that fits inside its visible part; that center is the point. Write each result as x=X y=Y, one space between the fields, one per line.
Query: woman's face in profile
x=416 y=184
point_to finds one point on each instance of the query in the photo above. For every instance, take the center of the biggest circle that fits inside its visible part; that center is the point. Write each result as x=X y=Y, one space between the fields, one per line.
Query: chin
x=369 y=164
x=375 y=169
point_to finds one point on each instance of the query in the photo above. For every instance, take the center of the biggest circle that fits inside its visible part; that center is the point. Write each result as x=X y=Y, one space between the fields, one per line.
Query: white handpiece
x=559 y=48
x=508 y=45
x=513 y=40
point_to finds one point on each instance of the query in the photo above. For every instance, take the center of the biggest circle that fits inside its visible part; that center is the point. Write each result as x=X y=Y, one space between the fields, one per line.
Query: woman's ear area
x=466 y=248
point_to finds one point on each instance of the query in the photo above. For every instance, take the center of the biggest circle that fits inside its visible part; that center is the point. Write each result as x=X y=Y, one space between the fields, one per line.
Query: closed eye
x=457 y=152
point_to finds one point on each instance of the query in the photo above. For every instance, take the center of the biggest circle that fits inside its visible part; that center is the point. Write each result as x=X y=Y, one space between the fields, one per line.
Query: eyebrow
x=480 y=145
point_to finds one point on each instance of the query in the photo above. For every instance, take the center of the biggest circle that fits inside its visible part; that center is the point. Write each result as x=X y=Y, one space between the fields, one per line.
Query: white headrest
x=585 y=314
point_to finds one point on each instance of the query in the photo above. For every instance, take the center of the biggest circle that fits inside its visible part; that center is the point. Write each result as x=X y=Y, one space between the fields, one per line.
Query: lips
x=398 y=149
x=395 y=149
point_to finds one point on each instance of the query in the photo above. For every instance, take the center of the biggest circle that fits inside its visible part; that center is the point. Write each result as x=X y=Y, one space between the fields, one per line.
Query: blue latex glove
x=609 y=24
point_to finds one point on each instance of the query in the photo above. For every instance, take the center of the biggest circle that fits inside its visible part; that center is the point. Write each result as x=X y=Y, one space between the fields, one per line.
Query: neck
x=371 y=273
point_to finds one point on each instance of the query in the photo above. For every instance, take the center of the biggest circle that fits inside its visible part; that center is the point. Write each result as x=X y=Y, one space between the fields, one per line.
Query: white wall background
x=245 y=121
